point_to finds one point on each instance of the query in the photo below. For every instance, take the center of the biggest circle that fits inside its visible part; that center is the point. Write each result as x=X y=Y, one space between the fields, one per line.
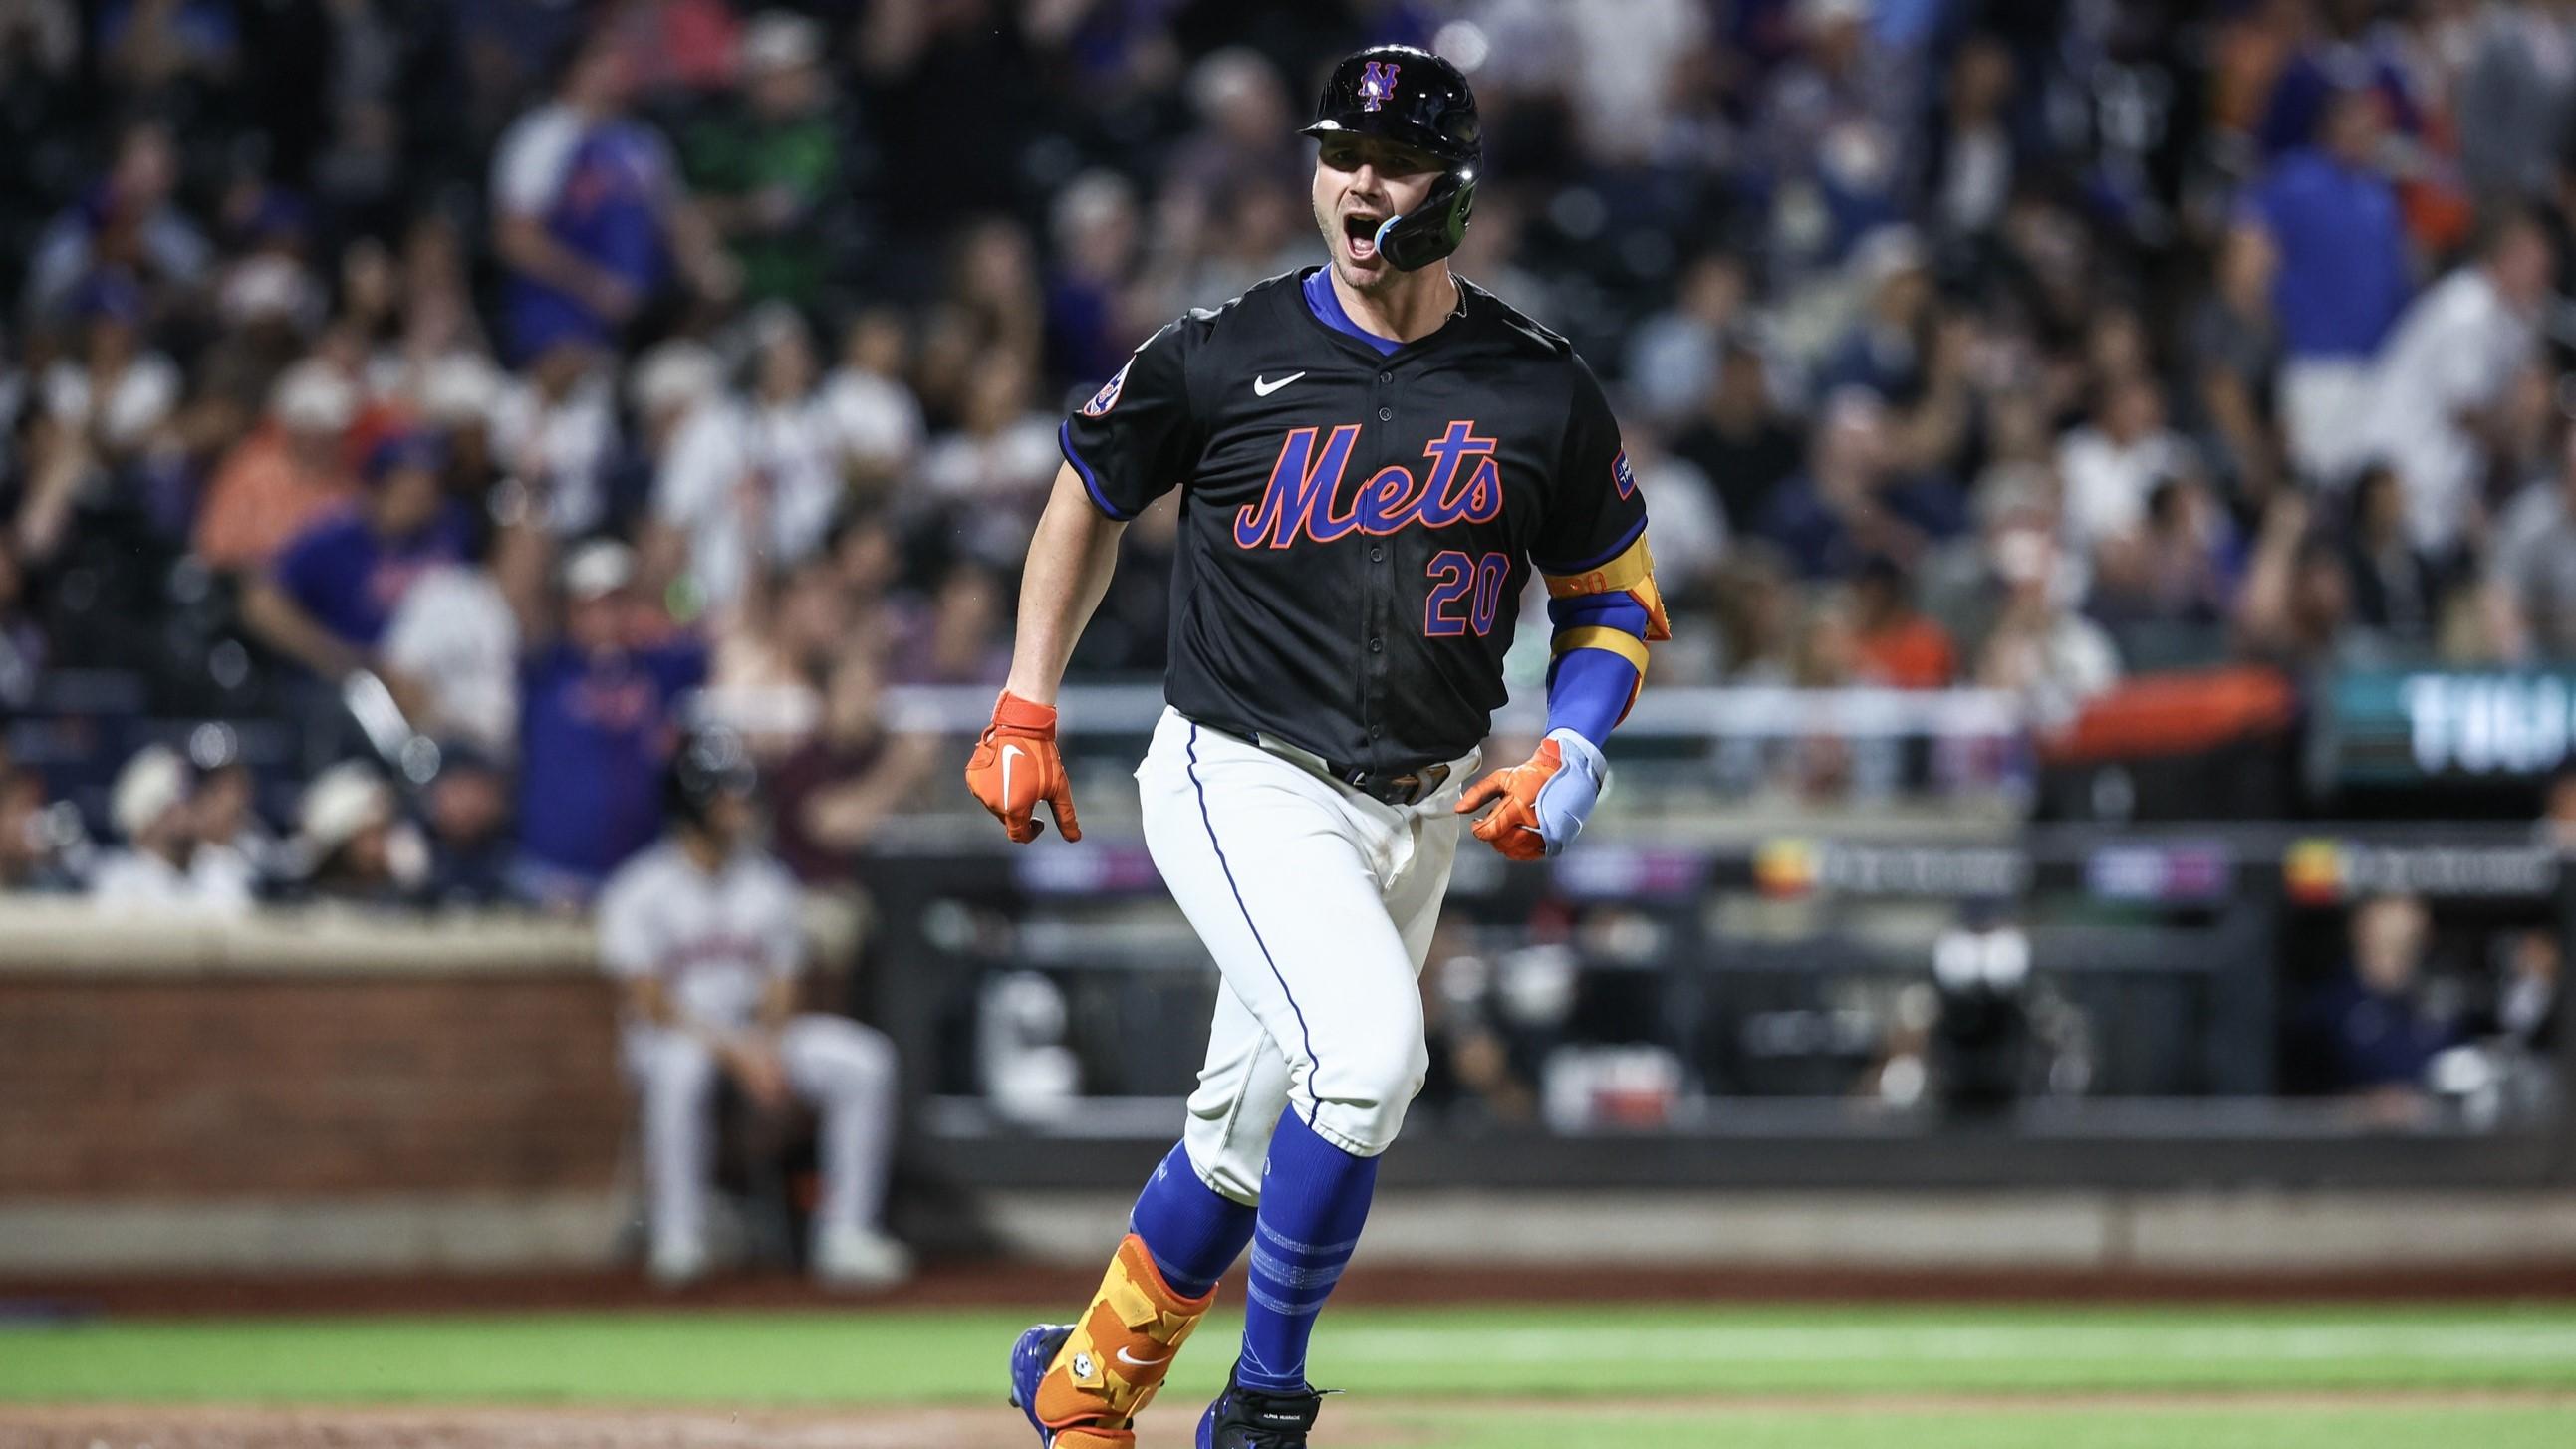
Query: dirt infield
x=1389 y=1424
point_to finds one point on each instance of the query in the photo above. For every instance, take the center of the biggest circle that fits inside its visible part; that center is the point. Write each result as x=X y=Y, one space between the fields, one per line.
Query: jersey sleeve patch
x=1107 y=398
x=1137 y=438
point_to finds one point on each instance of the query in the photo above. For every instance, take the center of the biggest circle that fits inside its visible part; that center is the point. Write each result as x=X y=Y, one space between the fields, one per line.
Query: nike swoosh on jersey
x=1008 y=752
x=1264 y=387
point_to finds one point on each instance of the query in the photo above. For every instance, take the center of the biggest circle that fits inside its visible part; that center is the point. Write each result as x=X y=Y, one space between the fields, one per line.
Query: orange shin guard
x=1119 y=1352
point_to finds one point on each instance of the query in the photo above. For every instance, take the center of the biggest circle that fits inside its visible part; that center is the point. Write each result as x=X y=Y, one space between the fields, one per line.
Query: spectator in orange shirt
x=1898 y=645
x=282 y=477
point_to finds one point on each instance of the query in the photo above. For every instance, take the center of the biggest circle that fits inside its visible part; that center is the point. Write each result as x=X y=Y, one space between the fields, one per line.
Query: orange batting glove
x=1540 y=804
x=1015 y=765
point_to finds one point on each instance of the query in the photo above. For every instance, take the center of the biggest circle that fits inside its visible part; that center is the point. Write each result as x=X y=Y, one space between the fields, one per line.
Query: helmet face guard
x=1412 y=240
x=1412 y=98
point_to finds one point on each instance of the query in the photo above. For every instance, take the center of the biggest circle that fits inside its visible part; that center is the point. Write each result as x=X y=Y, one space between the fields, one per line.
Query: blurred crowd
x=454 y=399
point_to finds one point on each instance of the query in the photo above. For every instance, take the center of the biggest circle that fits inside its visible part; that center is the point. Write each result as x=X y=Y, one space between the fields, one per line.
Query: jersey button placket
x=1381 y=603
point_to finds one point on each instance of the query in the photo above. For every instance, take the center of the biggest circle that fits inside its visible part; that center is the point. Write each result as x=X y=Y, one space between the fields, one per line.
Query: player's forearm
x=1071 y=557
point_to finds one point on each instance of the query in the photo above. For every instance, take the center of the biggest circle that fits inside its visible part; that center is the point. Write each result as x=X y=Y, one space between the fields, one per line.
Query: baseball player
x=1372 y=457
x=703 y=930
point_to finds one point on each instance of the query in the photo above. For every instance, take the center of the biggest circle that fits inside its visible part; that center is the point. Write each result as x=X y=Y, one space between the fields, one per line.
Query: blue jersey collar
x=1326 y=304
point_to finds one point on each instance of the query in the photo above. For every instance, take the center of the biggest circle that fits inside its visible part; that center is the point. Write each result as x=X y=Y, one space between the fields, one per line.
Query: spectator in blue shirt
x=589 y=215
x=2332 y=214
x=599 y=715
x=326 y=600
x=2375 y=1033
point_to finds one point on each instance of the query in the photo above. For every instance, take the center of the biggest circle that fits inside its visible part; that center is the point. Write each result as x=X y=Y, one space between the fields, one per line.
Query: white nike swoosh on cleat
x=1264 y=387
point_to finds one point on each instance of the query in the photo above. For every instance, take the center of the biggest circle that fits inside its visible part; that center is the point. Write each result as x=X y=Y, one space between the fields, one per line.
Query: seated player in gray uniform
x=704 y=930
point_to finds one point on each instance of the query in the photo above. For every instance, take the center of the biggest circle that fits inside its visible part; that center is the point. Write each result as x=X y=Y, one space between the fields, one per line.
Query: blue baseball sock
x=1314 y=1198
x=1193 y=1231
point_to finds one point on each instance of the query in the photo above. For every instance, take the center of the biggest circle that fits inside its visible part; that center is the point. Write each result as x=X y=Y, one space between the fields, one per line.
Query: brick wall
x=302 y=1084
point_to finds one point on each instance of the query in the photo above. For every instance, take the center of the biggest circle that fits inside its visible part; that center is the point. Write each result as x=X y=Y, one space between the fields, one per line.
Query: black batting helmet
x=1414 y=98
x=706 y=766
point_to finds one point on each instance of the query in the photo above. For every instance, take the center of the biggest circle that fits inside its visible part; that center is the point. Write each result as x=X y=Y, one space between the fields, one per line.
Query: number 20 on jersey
x=1466 y=593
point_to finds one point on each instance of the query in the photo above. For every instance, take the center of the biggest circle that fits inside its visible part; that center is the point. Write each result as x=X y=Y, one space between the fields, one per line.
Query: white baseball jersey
x=716 y=941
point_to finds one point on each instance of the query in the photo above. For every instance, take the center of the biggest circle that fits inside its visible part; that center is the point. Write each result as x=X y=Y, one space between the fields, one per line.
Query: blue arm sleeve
x=1589 y=689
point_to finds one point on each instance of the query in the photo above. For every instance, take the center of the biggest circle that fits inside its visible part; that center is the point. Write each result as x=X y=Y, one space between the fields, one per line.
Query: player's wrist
x=1578 y=752
x=1020 y=714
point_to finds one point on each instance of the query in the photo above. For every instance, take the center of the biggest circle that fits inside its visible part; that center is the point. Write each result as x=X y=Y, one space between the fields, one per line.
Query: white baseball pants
x=845 y=1070
x=1318 y=904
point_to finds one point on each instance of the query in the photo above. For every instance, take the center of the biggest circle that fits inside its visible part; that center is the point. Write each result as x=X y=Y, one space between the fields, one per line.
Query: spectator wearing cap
x=357 y=848
x=164 y=866
x=466 y=807
x=2332 y=217
x=589 y=215
x=599 y=708
x=333 y=590
x=770 y=167
x=2444 y=376
x=289 y=473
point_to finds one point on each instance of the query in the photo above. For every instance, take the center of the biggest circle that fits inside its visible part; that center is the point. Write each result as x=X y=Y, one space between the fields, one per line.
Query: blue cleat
x=1030 y=1358
x=1244 y=1418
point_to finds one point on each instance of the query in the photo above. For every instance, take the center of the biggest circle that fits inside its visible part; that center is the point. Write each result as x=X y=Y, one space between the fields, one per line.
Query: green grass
x=1838 y=1357
x=2443 y=1427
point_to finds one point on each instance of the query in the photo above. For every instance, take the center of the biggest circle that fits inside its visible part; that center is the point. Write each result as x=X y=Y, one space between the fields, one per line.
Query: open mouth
x=1359 y=233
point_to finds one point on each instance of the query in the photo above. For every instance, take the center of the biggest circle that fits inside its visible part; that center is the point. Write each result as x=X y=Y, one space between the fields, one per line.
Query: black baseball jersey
x=1356 y=527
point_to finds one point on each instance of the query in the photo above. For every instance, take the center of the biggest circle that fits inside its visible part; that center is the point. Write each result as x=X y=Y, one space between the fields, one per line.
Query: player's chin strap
x=1412 y=240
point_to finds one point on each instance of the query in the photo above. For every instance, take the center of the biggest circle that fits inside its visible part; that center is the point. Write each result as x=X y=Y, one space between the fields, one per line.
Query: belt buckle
x=1414 y=786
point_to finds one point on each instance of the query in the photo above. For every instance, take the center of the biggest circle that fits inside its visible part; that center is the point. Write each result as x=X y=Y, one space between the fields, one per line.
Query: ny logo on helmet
x=1377 y=83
